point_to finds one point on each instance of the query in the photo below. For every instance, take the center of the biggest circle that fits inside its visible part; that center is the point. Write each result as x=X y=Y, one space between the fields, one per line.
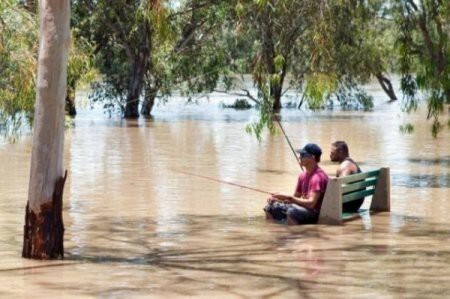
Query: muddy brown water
x=137 y=226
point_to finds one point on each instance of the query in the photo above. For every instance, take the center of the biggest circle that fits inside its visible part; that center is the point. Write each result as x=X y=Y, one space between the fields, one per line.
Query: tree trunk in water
x=30 y=5
x=70 y=102
x=276 y=90
x=136 y=84
x=275 y=93
x=387 y=86
x=447 y=96
x=149 y=101
x=44 y=229
x=44 y=232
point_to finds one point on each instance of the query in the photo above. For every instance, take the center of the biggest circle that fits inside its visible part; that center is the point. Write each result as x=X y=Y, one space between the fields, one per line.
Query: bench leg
x=331 y=211
x=381 y=200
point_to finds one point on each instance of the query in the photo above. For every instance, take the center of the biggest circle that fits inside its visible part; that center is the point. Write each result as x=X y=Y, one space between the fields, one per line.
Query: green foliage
x=277 y=29
x=327 y=48
x=264 y=121
x=80 y=69
x=122 y=36
x=318 y=88
x=18 y=60
x=176 y=46
x=409 y=87
x=423 y=47
x=201 y=58
x=407 y=128
x=351 y=44
x=351 y=97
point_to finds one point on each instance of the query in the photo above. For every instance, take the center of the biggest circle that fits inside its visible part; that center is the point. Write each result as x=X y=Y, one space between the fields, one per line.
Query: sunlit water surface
x=139 y=223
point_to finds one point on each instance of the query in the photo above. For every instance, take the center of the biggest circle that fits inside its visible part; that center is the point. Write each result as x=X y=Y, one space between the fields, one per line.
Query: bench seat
x=375 y=183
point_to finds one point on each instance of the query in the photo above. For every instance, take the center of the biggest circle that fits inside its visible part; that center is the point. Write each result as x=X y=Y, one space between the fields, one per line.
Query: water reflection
x=421 y=181
x=443 y=161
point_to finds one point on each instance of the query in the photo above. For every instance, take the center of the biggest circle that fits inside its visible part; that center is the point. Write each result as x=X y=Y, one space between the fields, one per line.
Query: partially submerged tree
x=324 y=48
x=350 y=46
x=199 y=57
x=280 y=31
x=44 y=229
x=148 y=48
x=279 y=28
x=122 y=32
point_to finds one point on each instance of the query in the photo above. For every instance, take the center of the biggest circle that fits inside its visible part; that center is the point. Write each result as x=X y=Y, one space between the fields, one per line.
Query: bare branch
x=245 y=94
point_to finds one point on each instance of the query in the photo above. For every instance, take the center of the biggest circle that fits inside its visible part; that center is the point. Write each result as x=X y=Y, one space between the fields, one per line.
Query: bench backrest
x=375 y=183
x=358 y=185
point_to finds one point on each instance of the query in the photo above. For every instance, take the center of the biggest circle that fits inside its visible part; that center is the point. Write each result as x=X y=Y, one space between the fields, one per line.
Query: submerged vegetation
x=239 y=104
x=323 y=50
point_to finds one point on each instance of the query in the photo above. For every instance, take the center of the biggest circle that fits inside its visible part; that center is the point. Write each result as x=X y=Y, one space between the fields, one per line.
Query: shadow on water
x=288 y=116
x=234 y=252
x=443 y=161
x=420 y=180
x=277 y=259
x=272 y=171
x=248 y=255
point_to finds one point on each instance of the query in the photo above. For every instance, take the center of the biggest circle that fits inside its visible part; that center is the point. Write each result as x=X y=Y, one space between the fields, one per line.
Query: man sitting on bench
x=339 y=153
x=304 y=206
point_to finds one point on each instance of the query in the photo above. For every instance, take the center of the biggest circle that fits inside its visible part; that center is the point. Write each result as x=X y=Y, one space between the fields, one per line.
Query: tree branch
x=246 y=94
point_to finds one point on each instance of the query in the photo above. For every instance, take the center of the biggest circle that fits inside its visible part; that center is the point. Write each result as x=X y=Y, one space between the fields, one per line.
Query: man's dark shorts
x=280 y=211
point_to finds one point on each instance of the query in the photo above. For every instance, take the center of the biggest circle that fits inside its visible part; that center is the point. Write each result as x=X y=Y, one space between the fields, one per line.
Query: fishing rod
x=225 y=182
x=287 y=139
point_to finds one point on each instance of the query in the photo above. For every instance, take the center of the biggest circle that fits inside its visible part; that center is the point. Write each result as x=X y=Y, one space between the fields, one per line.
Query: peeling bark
x=44 y=232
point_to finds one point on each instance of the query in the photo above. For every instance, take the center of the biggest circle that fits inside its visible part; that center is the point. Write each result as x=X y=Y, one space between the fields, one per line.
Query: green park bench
x=375 y=183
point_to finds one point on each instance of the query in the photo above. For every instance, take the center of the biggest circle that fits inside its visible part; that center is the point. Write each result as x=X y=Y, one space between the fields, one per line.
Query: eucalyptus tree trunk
x=140 y=64
x=149 y=101
x=276 y=90
x=136 y=84
x=268 y=55
x=44 y=229
x=275 y=93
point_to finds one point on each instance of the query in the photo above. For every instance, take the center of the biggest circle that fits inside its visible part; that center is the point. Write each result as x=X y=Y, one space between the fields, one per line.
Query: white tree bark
x=48 y=134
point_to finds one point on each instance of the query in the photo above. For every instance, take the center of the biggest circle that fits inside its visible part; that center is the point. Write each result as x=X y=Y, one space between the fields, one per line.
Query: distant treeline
x=145 y=49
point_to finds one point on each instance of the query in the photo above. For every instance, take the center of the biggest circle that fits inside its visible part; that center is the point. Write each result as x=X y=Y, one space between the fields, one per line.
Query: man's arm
x=346 y=168
x=308 y=202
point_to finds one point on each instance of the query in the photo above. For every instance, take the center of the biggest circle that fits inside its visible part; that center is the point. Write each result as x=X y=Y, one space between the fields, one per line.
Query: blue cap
x=310 y=149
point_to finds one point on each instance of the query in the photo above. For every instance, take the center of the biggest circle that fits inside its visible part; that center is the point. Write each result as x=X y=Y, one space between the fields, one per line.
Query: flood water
x=140 y=223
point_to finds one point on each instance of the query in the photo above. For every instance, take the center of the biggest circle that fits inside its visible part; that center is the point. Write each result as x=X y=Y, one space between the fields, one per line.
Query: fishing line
x=287 y=139
x=225 y=182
